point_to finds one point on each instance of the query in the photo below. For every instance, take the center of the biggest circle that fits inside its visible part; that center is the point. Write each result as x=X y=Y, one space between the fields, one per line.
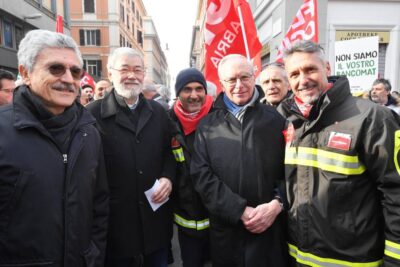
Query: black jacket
x=137 y=151
x=53 y=207
x=189 y=212
x=237 y=165
x=343 y=182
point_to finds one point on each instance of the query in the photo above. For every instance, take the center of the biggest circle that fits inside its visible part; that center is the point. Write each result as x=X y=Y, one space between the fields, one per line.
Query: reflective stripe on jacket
x=343 y=182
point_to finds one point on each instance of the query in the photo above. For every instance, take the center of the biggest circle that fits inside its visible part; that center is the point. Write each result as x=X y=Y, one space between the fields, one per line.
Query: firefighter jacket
x=189 y=212
x=343 y=181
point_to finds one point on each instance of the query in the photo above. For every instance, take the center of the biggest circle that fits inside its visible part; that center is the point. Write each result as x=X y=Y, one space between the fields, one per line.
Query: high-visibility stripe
x=178 y=153
x=192 y=224
x=392 y=249
x=324 y=160
x=316 y=261
x=396 y=149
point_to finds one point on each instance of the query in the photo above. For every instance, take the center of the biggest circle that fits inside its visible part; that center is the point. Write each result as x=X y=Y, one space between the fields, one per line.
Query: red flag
x=87 y=80
x=230 y=29
x=59 y=24
x=304 y=27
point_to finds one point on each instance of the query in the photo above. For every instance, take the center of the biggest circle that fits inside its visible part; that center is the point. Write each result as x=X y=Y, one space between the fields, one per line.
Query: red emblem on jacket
x=339 y=141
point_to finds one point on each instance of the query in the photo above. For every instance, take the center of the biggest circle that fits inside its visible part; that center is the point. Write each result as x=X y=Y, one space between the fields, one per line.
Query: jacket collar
x=110 y=107
x=24 y=118
x=219 y=102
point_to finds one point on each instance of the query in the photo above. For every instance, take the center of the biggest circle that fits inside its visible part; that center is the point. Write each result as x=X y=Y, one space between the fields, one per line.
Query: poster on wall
x=358 y=60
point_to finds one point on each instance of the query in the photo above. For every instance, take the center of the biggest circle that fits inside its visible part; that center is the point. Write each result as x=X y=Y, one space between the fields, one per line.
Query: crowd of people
x=295 y=171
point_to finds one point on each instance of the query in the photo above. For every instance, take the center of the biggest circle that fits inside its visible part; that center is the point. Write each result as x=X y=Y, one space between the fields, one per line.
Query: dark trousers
x=158 y=258
x=195 y=252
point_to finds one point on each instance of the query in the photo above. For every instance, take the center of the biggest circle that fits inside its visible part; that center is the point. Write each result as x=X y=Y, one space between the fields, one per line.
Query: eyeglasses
x=59 y=70
x=245 y=79
x=8 y=91
x=126 y=71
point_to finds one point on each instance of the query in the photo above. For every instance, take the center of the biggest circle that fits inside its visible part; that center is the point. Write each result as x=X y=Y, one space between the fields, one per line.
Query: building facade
x=17 y=17
x=101 y=26
x=155 y=60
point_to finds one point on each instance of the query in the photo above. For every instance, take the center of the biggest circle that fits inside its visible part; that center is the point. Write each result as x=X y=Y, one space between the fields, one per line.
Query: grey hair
x=278 y=66
x=36 y=40
x=120 y=52
x=305 y=46
x=386 y=83
x=230 y=57
x=150 y=87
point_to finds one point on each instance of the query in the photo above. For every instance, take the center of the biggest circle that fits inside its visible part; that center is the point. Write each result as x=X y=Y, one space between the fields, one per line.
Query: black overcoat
x=235 y=165
x=136 y=154
x=53 y=206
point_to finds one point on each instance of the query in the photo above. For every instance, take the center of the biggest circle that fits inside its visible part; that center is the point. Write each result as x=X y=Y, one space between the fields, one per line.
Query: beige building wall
x=118 y=22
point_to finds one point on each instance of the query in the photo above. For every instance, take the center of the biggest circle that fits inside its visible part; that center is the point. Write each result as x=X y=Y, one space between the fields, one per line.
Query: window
x=133 y=28
x=122 y=12
x=93 y=67
x=89 y=37
x=139 y=38
x=19 y=34
x=8 y=34
x=133 y=6
x=127 y=21
x=141 y=22
x=88 y=6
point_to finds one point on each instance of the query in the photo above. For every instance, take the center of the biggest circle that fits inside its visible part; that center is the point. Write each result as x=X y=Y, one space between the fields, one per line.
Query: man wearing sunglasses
x=7 y=85
x=137 y=149
x=237 y=166
x=53 y=189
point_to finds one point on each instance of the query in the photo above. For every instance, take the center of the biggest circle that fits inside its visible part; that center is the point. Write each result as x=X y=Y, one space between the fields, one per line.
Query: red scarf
x=189 y=121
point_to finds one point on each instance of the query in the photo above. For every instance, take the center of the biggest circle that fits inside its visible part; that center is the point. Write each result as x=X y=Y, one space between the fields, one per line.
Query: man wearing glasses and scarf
x=237 y=168
x=53 y=189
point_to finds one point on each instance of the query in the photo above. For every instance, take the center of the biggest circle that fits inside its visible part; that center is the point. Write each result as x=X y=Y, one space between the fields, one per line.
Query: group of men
x=312 y=182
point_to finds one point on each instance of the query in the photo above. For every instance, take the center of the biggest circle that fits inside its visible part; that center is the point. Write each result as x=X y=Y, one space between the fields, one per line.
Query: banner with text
x=229 y=29
x=358 y=60
x=304 y=27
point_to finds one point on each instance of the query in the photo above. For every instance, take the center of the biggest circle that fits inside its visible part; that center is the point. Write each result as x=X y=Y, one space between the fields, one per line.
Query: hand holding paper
x=158 y=194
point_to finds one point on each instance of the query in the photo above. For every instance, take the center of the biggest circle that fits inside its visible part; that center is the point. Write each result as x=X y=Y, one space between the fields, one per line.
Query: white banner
x=358 y=60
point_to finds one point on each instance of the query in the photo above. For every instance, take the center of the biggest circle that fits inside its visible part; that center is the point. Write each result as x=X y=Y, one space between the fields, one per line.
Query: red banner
x=230 y=29
x=59 y=24
x=304 y=27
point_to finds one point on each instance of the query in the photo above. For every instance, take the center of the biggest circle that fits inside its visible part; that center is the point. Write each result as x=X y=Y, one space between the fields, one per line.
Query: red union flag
x=304 y=27
x=230 y=29
x=59 y=24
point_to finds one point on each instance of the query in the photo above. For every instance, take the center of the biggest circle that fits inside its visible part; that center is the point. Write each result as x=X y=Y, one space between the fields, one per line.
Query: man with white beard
x=137 y=150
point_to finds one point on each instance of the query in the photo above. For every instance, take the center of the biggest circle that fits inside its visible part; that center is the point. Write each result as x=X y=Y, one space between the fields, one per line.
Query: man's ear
x=24 y=74
x=328 y=68
x=222 y=86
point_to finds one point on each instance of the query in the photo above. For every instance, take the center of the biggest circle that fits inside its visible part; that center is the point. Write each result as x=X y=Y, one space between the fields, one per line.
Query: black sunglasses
x=59 y=70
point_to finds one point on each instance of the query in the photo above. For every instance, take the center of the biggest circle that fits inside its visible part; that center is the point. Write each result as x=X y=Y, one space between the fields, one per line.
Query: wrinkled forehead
x=128 y=60
x=236 y=66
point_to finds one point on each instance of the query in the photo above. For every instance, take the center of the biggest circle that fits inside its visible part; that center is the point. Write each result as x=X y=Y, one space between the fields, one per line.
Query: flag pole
x=246 y=45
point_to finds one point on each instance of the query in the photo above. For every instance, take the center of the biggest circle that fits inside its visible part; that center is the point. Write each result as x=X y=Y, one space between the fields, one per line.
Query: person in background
x=101 y=89
x=380 y=94
x=275 y=84
x=150 y=92
x=7 y=86
x=190 y=215
x=237 y=169
x=342 y=169
x=212 y=90
x=137 y=149
x=53 y=186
